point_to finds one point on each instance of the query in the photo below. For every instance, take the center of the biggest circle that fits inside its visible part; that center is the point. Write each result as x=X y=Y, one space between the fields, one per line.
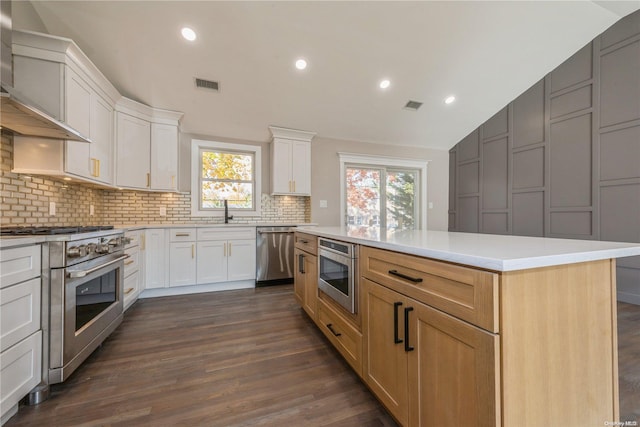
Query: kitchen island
x=472 y=329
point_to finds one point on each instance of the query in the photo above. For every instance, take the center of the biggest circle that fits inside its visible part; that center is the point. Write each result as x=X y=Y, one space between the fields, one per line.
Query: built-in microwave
x=337 y=272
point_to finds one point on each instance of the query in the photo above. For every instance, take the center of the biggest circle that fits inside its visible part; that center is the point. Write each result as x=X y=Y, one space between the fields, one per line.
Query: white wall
x=325 y=177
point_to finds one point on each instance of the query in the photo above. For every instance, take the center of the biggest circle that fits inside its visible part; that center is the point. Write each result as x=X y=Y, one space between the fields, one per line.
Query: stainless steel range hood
x=17 y=113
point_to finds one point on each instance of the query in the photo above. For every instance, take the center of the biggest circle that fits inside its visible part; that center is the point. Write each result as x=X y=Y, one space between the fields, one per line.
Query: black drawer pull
x=407 y=347
x=404 y=276
x=304 y=242
x=396 y=340
x=301 y=264
x=330 y=326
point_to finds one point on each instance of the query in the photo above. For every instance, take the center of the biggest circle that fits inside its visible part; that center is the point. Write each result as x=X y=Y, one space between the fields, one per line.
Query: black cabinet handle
x=404 y=276
x=304 y=241
x=407 y=347
x=330 y=326
x=396 y=340
x=301 y=264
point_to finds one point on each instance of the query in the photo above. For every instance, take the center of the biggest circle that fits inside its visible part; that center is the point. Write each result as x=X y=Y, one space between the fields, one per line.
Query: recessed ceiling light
x=301 y=64
x=449 y=99
x=188 y=34
x=384 y=84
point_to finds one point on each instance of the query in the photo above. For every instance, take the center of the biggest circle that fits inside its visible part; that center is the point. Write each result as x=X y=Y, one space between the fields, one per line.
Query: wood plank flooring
x=629 y=361
x=239 y=358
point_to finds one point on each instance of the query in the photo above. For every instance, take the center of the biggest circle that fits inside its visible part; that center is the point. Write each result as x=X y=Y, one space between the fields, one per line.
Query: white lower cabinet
x=241 y=262
x=20 y=370
x=178 y=257
x=20 y=332
x=212 y=262
x=155 y=265
x=133 y=266
x=182 y=263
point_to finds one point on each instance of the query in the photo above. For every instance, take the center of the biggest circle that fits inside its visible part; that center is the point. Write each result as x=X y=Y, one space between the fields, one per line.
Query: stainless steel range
x=82 y=295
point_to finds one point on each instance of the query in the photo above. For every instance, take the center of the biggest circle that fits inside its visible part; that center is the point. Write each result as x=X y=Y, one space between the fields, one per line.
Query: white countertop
x=488 y=251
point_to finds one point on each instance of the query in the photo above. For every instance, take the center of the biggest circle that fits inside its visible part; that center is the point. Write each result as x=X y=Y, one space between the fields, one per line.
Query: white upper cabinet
x=290 y=161
x=133 y=147
x=164 y=157
x=146 y=147
x=59 y=78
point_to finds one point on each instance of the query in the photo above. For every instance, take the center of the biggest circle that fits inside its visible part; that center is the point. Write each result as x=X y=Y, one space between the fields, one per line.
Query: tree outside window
x=381 y=197
x=226 y=175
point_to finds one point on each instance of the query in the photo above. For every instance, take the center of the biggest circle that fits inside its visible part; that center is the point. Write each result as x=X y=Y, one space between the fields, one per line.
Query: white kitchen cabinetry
x=182 y=257
x=164 y=157
x=133 y=266
x=155 y=259
x=146 y=147
x=20 y=334
x=58 y=77
x=226 y=254
x=133 y=147
x=290 y=161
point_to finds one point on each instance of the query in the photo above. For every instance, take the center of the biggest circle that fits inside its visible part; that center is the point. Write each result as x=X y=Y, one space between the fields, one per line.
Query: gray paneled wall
x=563 y=159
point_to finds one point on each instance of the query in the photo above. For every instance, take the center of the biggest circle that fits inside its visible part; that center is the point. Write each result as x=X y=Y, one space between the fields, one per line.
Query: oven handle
x=83 y=273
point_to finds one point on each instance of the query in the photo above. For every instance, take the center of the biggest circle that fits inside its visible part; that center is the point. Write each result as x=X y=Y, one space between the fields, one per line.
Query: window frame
x=197 y=147
x=392 y=163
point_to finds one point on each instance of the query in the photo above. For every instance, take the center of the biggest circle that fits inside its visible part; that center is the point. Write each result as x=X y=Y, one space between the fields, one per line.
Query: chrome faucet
x=226 y=212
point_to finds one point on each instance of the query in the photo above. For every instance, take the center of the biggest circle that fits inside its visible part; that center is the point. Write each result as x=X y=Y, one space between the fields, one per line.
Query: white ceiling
x=486 y=53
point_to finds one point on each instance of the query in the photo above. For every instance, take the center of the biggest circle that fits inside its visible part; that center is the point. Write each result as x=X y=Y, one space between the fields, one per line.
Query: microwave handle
x=83 y=273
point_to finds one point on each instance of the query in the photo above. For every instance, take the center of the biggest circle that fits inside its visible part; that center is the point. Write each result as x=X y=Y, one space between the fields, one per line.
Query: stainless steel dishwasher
x=274 y=255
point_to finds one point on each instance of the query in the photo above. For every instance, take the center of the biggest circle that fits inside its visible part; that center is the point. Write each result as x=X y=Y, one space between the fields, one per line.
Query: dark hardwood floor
x=239 y=358
x=629 y=361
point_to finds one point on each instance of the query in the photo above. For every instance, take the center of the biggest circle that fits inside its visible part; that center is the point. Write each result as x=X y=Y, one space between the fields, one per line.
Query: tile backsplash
x=26 y=200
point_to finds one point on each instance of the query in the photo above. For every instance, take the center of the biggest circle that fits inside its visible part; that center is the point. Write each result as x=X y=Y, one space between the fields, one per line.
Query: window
x=381 y=197
x=381 y=192
x=223 y=171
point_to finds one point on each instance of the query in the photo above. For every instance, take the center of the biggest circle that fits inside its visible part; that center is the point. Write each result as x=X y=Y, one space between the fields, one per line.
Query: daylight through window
x=227 y=175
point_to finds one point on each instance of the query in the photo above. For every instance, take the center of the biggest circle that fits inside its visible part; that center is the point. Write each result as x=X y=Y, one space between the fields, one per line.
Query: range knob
x=103 y=248
x=91 y=248
x=116 y=241
x=73 y=252
x=83 y=250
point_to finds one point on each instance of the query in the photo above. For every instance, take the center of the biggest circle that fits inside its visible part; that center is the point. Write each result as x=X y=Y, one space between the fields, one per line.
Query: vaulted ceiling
x=485 y=53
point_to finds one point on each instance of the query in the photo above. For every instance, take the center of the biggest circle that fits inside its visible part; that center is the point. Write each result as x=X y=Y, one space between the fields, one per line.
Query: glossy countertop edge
x=133 y=227
x=552 y=251
x=14 y=241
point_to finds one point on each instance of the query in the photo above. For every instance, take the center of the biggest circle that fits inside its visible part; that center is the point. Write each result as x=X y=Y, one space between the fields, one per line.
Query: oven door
x=336 y=278
x=92 y=306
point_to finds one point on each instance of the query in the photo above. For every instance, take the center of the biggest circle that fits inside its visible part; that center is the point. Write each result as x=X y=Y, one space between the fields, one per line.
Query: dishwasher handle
x=276 y=232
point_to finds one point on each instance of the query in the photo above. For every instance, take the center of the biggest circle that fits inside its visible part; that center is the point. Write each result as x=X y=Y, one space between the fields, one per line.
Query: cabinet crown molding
x=145 y=112
x=65 y=51
x=285 y=133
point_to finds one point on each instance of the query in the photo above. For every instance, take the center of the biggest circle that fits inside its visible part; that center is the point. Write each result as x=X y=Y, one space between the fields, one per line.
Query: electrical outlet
x=280 y=211
x=430 y=205
x=52 y=208
x=163 y=211
x=92 y=210
x=323 y=203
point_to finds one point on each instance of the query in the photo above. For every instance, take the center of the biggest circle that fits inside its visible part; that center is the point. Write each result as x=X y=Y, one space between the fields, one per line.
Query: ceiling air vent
x=207 y=84
x=412 y=105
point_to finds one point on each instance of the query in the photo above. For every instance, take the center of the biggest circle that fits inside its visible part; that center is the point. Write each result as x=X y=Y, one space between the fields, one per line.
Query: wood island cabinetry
x=445 y=344
x=306 y=273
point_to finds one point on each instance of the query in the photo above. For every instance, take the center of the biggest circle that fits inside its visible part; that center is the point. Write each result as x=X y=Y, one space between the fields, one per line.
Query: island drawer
x=466 y=293
x=344 y=337
x=306 y=242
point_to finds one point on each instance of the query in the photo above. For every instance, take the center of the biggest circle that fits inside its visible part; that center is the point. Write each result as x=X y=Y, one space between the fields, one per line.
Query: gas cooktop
x=50 y=231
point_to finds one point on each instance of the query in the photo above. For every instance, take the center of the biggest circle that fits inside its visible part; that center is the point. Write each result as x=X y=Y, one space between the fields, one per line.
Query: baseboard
x=10 y=413
x=628 y=297
x=197 y=289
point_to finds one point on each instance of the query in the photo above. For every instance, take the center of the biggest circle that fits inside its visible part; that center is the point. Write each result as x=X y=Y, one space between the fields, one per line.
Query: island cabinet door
x=453 y=370
x=385 y=360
